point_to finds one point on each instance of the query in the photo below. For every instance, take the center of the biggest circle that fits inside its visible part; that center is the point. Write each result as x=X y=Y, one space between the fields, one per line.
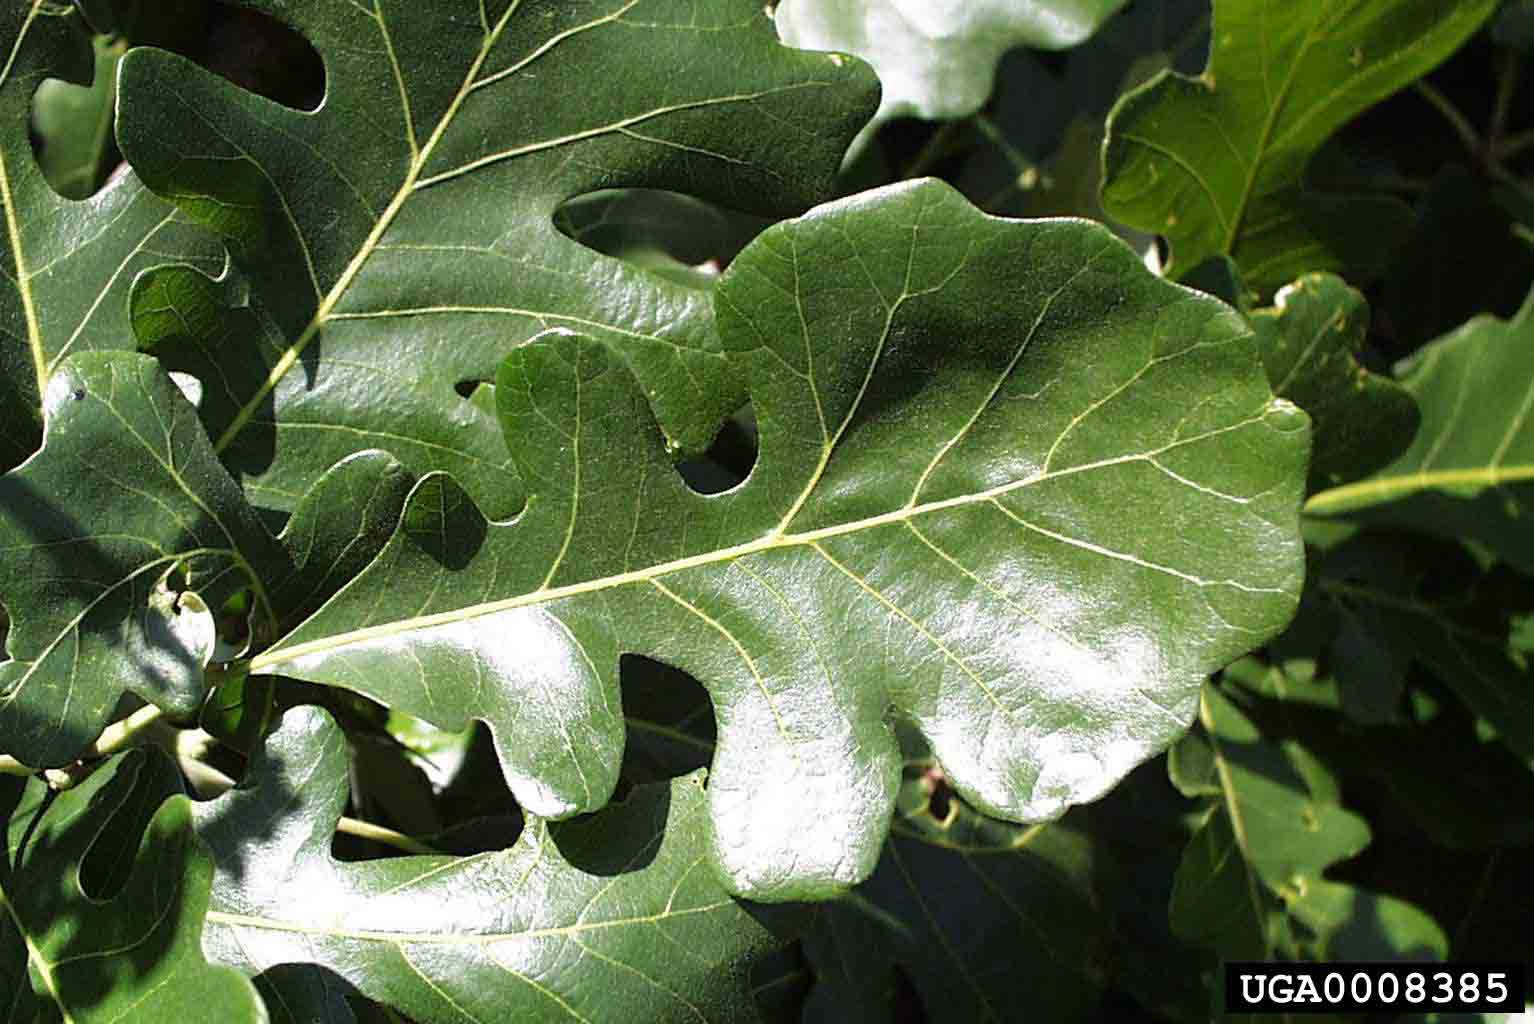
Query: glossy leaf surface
x=400 y=240
x=1011 y=485
x=68 y=265
x=611 y=918
x=936 y=58
x=119 y=542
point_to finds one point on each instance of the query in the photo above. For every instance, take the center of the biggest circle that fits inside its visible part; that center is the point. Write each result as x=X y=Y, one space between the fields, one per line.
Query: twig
x=386 y=836
x=1507 y=87
x=1512 y=145
x=932 y=152
x=1458 y=121
x=116 y=737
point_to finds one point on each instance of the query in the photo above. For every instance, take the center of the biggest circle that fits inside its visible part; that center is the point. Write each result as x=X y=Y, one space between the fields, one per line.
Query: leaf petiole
x=117 y=736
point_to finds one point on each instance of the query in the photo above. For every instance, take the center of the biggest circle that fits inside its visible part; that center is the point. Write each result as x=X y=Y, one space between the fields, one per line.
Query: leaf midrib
x=13 y=230
x=769 y=542
x=1237 y=819
x=36 y=959
x=327 y=305
x=23 y=282
x=229 y=920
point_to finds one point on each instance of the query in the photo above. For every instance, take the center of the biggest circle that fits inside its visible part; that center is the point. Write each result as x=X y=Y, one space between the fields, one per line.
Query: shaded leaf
x=983 y=916
x=119 y=541
x=1252 y=883
x=1408 y=759
x=1217 y=900
x=68 y=265
x=136 y=957
x=1479 y=667
x=1310 y=341
x=1464 y=257
x=937 y=59
x=1514 y=26
x=1046 y=123
x=1216 y=163
x=606 y=919
x=399 y=240
x=1010 y=484
x=1467 y=473
x=337 y=528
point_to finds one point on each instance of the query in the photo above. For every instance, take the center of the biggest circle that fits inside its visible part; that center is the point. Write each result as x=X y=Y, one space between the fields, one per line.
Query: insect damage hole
x=728 y=461
x=669 y=722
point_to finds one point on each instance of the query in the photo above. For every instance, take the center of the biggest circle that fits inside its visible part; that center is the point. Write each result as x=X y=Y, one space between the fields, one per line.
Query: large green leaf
x=1467 y=474
x=399 y=240
x=119 y=542
x=607 y=919
x=67 y=265
x=1011 y=486
x=122 y=950
x=936 y=58
x=1310 y=340
x=1216 y=163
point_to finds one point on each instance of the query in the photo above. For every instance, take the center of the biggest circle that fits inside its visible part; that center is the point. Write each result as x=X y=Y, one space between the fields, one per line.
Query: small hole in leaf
x=680 y=238
x=257 y=52
x=728 y=461
x=939 y=795
x=466 y=388
x=670 y=722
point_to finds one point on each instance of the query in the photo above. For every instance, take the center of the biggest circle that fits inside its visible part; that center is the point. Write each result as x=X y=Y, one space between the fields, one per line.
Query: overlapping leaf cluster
x=507 y=436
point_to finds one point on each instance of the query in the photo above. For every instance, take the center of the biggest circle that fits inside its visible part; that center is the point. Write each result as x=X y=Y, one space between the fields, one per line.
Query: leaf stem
x=386 y=836
x=1457 y=120
x=1512 y=145
x=1507 y=87
x=932 y=152
x=117 y=736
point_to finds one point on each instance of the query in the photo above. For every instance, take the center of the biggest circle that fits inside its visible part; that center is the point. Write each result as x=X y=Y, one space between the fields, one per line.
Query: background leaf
x=1252 y=884
x=936 y=59
x=1466 y=474
x=1216 y=163
x=1310 y=340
